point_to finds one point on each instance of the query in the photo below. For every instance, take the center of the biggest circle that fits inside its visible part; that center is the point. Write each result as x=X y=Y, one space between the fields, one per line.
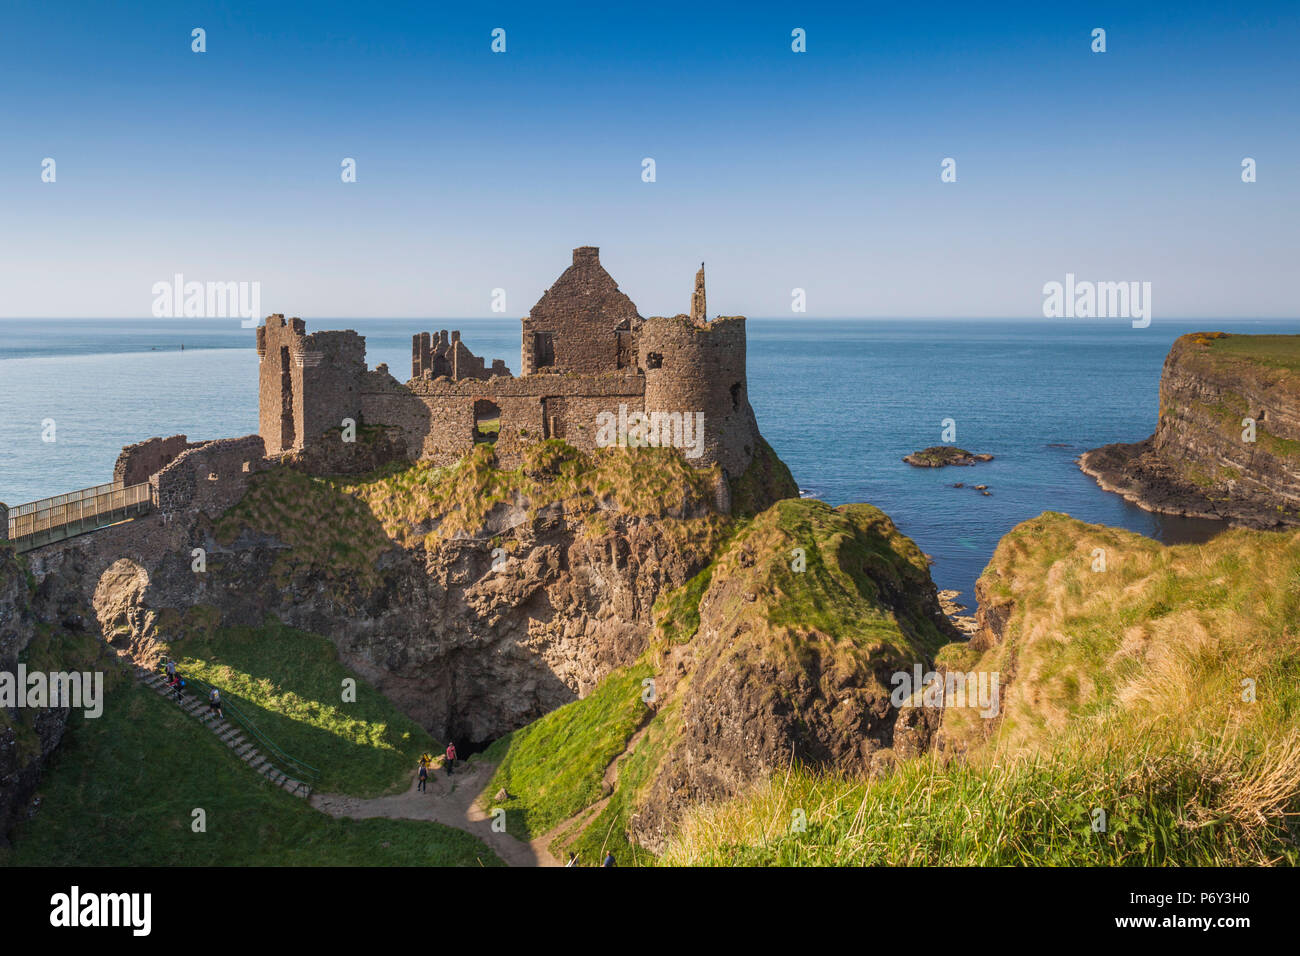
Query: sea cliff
x=1227 y=442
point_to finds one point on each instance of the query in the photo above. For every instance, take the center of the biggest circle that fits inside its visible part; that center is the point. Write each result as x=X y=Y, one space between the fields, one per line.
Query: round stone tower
x=697 y=369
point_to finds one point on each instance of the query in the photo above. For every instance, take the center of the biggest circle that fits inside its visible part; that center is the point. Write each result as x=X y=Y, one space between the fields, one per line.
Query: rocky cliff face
x=1227 y=444
x=476 y=598
x=792 y=659
x=39 y=627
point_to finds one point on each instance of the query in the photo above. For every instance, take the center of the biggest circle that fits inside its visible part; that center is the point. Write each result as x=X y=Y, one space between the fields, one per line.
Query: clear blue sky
x=781 y=170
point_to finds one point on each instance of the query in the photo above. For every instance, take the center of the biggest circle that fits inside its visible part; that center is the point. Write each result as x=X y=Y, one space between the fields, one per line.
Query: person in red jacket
x=451 y=758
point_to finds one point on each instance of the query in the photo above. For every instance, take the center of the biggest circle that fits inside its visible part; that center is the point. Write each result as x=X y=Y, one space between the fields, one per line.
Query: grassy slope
x=122 y=789
x=423 y=503
x=291 y=684
x=854 y=557
x=552 y=768
x=1125 y=696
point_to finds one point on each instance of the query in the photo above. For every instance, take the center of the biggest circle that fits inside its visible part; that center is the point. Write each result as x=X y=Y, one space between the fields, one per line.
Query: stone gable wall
x=581 y=311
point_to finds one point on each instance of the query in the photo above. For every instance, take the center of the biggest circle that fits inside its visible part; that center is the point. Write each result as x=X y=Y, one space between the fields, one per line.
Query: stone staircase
x=230 y=735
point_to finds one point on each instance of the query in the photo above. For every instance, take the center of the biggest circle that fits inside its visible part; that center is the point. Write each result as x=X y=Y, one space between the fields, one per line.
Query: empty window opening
x=623 y=354
x=487 y=421
x=543 y=349
x=654 y=360
x=735 y=397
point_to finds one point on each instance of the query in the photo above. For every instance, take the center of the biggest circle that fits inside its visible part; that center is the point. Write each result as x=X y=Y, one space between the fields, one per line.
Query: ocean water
x=841 y=402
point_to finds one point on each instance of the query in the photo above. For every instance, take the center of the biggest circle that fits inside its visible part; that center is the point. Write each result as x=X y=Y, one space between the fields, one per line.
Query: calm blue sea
x=840 y=401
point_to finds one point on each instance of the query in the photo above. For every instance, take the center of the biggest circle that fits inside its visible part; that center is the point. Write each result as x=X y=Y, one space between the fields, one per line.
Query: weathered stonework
x=141 y=461
x=443 y=354
x=586 y=354
x=577 y=323
x=209 y=477
x=699 y=305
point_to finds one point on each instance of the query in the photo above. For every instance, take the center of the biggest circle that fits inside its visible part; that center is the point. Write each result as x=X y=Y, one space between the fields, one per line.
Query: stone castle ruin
x=591 y=367
x=586 y=355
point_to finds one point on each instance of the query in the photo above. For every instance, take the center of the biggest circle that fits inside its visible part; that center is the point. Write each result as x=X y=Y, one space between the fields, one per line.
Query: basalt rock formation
x=1227 y=444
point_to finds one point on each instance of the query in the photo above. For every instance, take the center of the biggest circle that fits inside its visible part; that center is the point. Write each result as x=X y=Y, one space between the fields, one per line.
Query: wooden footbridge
x=43 y=522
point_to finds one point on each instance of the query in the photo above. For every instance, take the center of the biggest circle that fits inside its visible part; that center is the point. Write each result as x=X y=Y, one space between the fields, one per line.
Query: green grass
x=1279 y=351
x=855 y=606
x=607 y=832
x=291 y=684
x=331 y=534
x=121 y=789
x=553 y=767
x=1162 y=806
x=1121 y=690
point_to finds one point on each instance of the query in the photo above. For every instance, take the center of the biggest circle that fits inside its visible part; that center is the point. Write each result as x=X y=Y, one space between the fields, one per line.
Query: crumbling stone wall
x=581 y=313
x=4 y=522
x=307 y=384
x=139 y=462
x=436 y=416
x=699 y=304
x=437 y=354
x=209 y=477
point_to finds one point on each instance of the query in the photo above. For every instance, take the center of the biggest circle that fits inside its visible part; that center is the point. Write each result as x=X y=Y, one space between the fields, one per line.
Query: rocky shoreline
x=1225 y=446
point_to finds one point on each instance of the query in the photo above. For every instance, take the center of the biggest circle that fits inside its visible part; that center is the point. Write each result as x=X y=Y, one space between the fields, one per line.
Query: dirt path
x=579 y=821
x=447 y=800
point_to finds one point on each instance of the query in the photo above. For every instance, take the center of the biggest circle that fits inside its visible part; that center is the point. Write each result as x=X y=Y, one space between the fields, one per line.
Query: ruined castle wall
x=4 y=521
x=139 y=462
x=330 y=371
x=690 y=368
x=278 y=341
x=581 y=313
x=437 y=416
x=209 y=477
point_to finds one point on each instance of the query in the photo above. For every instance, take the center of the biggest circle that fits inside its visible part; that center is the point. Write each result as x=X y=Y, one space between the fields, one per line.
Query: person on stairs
x=214 y=703
x=451 y=758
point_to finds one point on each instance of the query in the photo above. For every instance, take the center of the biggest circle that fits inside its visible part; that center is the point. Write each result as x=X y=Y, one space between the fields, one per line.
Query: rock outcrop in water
x=940 y=456
x=1227 y=443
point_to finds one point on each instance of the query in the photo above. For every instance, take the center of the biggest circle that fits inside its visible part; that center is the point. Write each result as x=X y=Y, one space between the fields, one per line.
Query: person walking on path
x=451 y=758
x=423 y=774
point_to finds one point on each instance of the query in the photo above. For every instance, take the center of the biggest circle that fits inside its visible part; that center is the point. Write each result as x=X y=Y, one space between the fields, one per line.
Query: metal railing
x=52 y=519
x=304 y=773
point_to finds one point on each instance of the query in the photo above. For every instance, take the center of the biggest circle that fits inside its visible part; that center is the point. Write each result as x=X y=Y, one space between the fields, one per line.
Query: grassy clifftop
x=1157 y=698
